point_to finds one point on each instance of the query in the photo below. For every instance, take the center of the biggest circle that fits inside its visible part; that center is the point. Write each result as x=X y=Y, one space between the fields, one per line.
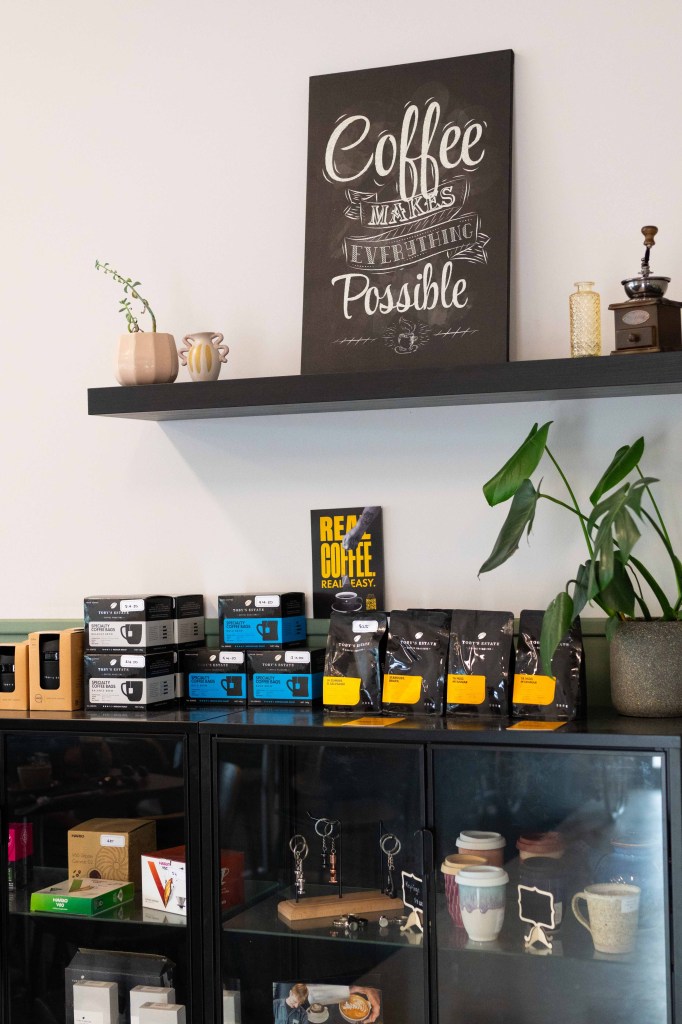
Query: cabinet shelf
x=521 y=381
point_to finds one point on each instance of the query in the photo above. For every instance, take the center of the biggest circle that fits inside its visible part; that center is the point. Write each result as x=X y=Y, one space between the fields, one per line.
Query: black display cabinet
x=609 y=790
x=58 y=771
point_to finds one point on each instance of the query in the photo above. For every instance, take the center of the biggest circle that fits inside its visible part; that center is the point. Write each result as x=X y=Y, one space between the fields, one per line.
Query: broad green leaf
x=626 y=533
x=520 y=515
x=581 y=592
x=607 y=561
x=619 y=595
x=612 y=625
x=518 y=468
x=606 y=506
x=637 y=492
x=655 y=586
x=555 y=626
x=623 y=462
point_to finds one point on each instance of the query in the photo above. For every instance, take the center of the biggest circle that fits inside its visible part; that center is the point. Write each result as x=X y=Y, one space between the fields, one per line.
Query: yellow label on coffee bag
x=533 y=689
x=401 y=689
x=465 y=689
x=341 y=690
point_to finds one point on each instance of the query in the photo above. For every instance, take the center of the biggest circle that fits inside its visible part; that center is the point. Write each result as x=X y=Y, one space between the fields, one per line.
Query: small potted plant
x=144 y=357
x=646 y=642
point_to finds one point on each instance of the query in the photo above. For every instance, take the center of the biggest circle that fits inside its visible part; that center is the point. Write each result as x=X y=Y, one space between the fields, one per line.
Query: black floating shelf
x=657 y=373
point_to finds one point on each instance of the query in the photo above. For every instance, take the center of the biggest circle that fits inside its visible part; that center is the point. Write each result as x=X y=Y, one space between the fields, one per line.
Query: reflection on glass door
x=552 y=891
x=316 y=841
x=82 y=812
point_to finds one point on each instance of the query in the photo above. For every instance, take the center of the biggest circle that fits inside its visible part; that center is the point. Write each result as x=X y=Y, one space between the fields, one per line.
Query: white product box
x=95 y=1002
x=164 y=883
x=162 y=1013
x=232 y=1008
x=148 y=994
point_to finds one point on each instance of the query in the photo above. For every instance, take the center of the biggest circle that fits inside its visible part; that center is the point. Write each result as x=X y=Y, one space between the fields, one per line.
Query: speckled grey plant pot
x=646 y=669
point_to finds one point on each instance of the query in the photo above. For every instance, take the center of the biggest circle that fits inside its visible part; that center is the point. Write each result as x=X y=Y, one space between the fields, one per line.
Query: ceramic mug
x=451 y=867
x=482 y=893
x=489 y=845
x=612 y=912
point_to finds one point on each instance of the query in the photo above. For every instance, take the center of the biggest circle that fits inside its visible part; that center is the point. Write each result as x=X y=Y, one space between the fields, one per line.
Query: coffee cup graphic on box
x=262 y=620
x=214 y=675
x=129 y=680
x=138 y=622
x=284 y=676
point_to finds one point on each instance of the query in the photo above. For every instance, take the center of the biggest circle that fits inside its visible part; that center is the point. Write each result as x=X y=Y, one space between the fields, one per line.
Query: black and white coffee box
x=214 y=675
x=286 y=677
x=189 y=622
x=263 y=621
x=95 y=1002
x=128 y=681
x=129 y=623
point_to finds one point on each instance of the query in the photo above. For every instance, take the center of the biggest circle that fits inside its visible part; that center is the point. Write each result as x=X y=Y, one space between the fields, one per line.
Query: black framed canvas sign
x=408 y=216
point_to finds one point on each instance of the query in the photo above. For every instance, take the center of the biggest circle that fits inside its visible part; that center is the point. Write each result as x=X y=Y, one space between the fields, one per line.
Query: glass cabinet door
x=310 y=819
x=55 y=781
x=565 y=916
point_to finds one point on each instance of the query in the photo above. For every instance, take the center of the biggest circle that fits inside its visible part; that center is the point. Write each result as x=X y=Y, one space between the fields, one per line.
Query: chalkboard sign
x=407 y=220
x=413 y=891
x=536 y=906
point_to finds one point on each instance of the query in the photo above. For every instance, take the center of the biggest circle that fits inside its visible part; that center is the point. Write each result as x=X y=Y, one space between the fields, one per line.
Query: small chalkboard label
x=536 y=906
x=413 y=891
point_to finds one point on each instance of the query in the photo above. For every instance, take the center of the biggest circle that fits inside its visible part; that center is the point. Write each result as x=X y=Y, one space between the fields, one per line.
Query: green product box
x=86 y=896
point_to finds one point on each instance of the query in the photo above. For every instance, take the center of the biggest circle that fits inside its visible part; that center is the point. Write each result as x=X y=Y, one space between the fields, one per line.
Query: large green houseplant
x=611 y=576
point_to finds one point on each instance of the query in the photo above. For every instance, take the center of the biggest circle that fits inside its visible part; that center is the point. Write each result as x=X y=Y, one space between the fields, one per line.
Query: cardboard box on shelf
x=126 y=969
x=55 y=670
x=110 y=848
x=164 y=880
x=214 y=676
x=148 y=994
x=135 y=622
x=262 y=620
x=85 y=896
x=189 y=623
x=129 y=681
x=286 y=677
x=14 y=689
x=95 y=1002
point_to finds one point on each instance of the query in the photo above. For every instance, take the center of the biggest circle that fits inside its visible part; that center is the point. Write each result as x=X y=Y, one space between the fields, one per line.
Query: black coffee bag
x=416 y=657
x=480 y=663
x=560 y=696
x=353 y=660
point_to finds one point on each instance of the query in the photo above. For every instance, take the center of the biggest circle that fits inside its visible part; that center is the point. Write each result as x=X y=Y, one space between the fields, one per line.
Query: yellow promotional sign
x=533 y=689
x=464 y=689
x=341 y=690
x=401 y=689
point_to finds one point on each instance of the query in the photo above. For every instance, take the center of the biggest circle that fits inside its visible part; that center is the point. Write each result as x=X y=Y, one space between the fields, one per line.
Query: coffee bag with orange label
x=480 y=663
x=416 y=657
x=353 y=660
x=559 y=696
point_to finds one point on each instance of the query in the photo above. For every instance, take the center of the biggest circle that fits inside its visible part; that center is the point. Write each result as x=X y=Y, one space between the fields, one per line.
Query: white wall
x=170 y=139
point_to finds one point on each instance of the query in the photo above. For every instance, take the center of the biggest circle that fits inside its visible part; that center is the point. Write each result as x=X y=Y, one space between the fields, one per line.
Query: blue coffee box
x=286 y=677
x=213 y=675
x=262 y=621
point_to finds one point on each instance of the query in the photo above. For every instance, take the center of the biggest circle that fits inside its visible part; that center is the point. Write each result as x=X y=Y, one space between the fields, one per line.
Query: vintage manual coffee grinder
x=647 y=322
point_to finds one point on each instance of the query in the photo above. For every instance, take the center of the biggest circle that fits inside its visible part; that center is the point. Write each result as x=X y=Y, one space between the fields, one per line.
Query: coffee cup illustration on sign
x=132 y=632
x=133 y=689
x=268 y=629
x=298 y=686
x=232 y=685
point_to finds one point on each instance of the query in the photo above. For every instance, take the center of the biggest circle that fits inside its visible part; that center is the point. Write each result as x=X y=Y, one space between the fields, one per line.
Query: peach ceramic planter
x=147 y=357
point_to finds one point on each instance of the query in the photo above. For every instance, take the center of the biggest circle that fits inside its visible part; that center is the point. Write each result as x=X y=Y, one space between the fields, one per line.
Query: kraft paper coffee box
x=55 y=670
x=164 y=880
x=262 y=621
x=110 y=848
x=14 y=690
x=126 y=970
x=135 y=623
x=286 y=677
x=214 y=675
x=189 y=622
x=116 y=681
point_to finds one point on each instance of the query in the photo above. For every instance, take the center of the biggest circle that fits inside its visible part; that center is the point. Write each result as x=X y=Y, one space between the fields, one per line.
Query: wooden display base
x=359 y=903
